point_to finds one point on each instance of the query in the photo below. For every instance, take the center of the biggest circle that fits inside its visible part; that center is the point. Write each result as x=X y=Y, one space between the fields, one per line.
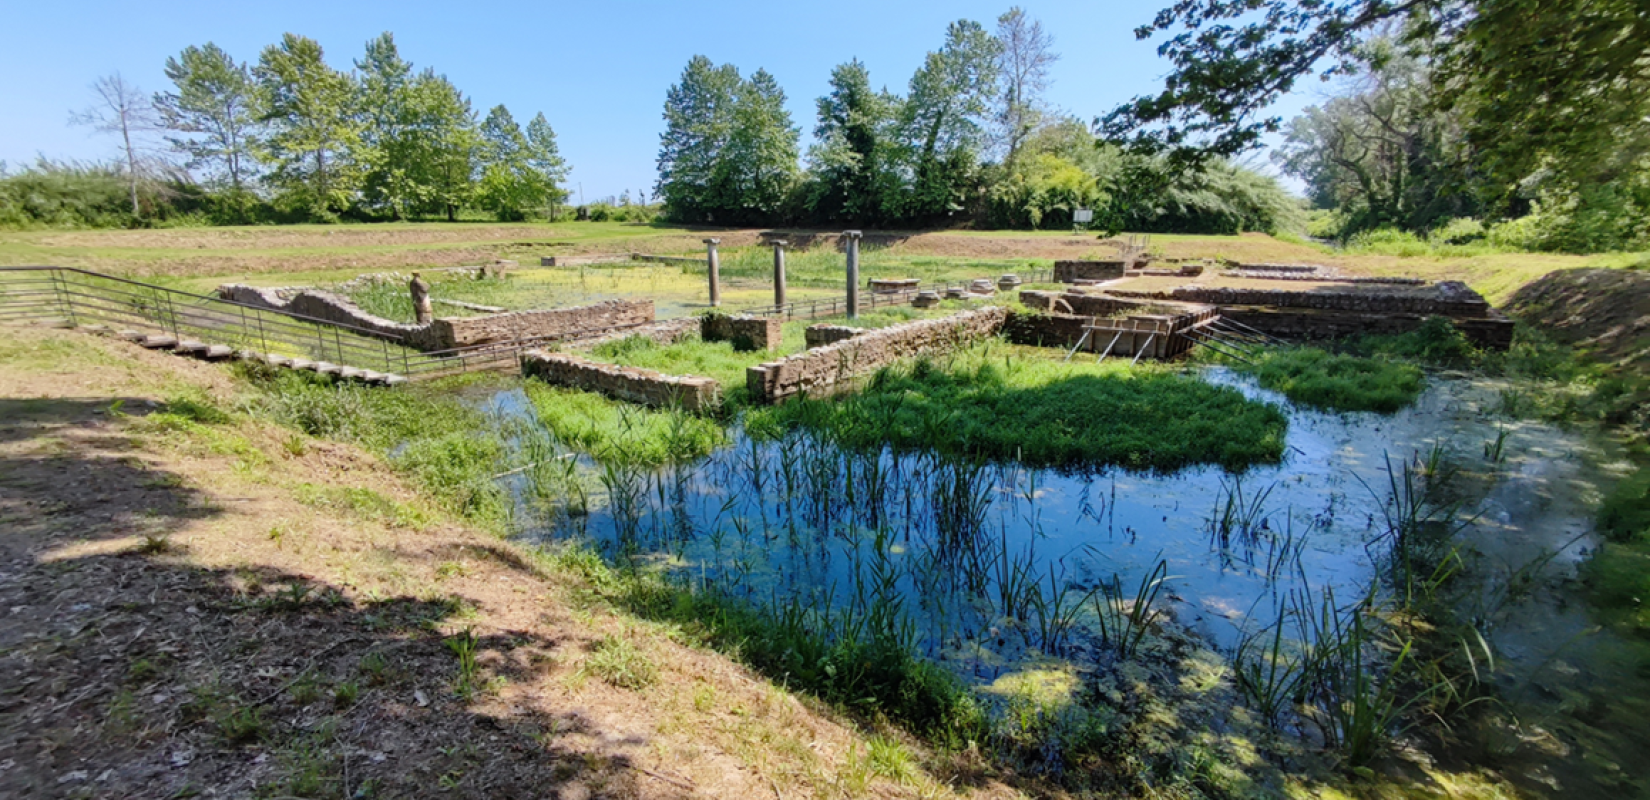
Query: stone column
x=420 y=300
x=715 y=265
x=853 y=272
x=779 y=271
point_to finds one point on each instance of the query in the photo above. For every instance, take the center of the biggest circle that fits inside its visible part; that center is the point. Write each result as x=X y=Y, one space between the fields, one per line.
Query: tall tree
x=699 y=119
x=544 y=158
x=450 y=145
x=1025 y=54
x=389 y=147
x=123 y=109
x=855 y=149
x=214 y=104
x=1381 y=153
x=944 y=115
x=1534 y=81
x=309 y=109
x=754 y=170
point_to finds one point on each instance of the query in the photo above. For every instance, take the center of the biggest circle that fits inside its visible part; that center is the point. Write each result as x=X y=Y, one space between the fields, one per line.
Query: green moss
x=1004 y=402
x=1338 y=382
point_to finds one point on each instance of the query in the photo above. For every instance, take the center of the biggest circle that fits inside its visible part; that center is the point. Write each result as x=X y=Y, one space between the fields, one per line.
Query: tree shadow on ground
x=130 y=672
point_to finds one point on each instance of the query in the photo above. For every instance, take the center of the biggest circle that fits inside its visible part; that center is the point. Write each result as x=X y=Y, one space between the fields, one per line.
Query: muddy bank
x=1603 y=311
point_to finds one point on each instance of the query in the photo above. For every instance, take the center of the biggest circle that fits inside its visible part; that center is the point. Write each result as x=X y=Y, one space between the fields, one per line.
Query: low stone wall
x=447 y=333
x=630 y=384
x=320 y=305
x=1069 y=271
x=1091 y=305
x=823 y=370
x=1449 y=298
x=1493 y=331
x=825 y=333
x=1045 y=330
x=745 y=332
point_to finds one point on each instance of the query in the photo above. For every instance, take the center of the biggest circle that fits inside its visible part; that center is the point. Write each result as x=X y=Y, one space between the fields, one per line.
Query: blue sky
x=598 y=71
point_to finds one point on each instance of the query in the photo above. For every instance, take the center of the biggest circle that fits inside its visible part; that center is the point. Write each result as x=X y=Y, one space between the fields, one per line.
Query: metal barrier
x=79 y=297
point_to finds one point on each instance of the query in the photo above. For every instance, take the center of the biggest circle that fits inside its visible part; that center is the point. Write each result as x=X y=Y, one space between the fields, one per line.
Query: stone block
x=747 y=333
x=630 y=384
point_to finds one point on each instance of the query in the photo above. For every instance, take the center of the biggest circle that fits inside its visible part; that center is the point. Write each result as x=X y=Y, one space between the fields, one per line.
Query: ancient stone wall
x=1493 y=331
x=1069 y=271
x=1045 y=330
x=825 y=333
x=320 y=305
x=1091 y=305
x=447 y=333
x=823 y=370
x=745 y=332
x=630 y=384
x=1450 y=298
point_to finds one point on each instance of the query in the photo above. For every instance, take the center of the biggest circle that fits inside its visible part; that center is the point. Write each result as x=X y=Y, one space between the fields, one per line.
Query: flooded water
x=991 y=564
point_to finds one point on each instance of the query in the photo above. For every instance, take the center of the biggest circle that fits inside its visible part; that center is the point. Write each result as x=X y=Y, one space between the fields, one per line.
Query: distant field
x=200 y=258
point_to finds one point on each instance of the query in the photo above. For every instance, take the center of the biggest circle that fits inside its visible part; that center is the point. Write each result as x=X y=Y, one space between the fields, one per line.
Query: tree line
x=972 y=140
x=1526 y=122
x=289 y=138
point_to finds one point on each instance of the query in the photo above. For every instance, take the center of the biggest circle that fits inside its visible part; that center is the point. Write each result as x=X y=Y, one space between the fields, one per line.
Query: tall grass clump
x=1339 y=382
x=999 y=402
x=615 y=431
x=451 y=450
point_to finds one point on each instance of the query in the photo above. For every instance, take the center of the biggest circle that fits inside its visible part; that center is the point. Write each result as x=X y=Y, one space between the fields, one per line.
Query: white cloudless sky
x=598 y=71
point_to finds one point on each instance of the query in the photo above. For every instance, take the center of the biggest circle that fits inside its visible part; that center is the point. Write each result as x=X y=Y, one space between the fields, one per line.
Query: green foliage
x=994 y=402
x=619 y=432
x=309 y=108
x=1624 y=516
x=728 y=153
x=214 y=107
x=618 y=662
x=449 y=449
x=522 y=169
x=66 y=194
x=1337 y=382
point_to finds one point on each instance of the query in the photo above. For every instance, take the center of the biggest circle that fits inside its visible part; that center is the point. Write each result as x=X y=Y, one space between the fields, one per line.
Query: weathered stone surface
x=1069 y=271
x=447 y=333
x=825 y=333
x=829 y=368
x=745 y=332
x=893 y=285
x=926 y=300
x=631 y=384
x=316 y=304
x=1493 y=331
x=1448 y=298
x=1009 y=283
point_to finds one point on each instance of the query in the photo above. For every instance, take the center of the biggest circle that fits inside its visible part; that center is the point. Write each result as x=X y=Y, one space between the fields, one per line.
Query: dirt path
x=221 y=608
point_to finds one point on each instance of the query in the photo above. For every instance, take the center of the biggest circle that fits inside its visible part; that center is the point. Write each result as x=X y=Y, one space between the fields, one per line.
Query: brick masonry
x=825 y=333
x=831 y=368
x=745 y=332
x=630 y=384
x=1070 y=271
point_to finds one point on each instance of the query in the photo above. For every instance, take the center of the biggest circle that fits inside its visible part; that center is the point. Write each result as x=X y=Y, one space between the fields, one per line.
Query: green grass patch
x=363 y=503
x=610 y=430
x=1339 y=382
x=448 y=448
x=1002 y=402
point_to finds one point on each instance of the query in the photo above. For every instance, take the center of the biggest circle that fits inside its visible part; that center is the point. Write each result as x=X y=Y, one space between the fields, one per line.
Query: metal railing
x=81 y=297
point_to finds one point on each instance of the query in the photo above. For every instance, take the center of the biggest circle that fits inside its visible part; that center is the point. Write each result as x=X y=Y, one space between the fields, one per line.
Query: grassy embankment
x=299 y=620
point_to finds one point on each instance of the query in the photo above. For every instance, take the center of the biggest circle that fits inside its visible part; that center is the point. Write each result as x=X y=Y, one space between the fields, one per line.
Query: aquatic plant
x=1320 y=379
x=1125 y=621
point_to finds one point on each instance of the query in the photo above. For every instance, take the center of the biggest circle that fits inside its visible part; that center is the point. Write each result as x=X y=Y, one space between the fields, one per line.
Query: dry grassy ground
x=242 y=251
x=179 y=616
